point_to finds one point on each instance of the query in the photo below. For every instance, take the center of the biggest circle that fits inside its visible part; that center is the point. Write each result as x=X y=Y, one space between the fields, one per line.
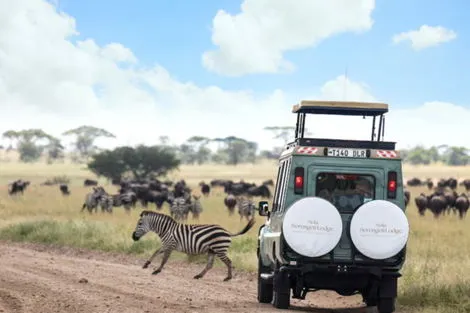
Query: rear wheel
x=281 y=294
x=265 y=287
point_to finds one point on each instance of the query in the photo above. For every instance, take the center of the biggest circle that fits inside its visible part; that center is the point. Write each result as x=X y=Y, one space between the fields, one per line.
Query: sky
x=146 y=69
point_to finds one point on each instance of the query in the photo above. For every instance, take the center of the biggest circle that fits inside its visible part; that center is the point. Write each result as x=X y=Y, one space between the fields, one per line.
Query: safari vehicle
x=337 y=221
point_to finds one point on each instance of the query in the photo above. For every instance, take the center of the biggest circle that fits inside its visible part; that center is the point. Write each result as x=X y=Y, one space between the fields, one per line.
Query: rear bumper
x=339 y=277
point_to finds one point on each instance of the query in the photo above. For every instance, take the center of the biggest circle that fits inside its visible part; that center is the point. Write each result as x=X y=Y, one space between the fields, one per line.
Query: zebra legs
x=209 y=265
x=224 y=258
x=166 y=256
x=160 y=250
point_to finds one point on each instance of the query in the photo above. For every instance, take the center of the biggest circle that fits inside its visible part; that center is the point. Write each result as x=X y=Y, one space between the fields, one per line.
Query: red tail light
x=392 y=185
x=299 y=180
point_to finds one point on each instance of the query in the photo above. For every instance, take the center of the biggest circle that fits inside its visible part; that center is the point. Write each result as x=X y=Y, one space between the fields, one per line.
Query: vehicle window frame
x=278 y=186
x=285 y=186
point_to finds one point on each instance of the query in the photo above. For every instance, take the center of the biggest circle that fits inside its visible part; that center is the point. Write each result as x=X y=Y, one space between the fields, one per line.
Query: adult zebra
x=191 y=239
x=246 y=208
x=180 y=207
x=92 y=199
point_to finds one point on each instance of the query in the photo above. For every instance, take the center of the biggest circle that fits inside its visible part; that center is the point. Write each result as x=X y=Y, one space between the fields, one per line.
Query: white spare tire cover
x=312 y=226
x=379 y=229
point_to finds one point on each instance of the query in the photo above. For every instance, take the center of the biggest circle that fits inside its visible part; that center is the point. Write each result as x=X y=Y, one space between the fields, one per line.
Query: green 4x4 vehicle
x=337 y=221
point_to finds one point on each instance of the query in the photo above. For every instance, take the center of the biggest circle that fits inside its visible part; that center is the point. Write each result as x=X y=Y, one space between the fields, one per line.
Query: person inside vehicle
x=364 y=188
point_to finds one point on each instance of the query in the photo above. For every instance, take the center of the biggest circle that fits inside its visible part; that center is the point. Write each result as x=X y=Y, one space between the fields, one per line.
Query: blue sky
x=175 y=33
x=150 y=68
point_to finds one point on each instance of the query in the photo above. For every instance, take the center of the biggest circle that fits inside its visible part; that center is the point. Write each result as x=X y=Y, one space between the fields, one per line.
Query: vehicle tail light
x=299 y=180
x=392 y=185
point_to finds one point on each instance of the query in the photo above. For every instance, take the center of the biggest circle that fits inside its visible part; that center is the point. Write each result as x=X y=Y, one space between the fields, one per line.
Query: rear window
x=346 y=191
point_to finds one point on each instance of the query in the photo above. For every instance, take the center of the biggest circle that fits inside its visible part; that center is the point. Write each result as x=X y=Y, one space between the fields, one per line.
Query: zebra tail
x=248 y=226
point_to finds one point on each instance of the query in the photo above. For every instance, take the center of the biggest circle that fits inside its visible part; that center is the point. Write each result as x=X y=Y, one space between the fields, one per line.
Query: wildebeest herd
x=179 y=196
x=443 y=197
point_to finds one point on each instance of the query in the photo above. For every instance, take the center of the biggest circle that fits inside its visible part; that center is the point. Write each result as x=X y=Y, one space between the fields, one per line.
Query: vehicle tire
x=369 y=301
x=281 y=294
x=265 y=289
x=386 y=305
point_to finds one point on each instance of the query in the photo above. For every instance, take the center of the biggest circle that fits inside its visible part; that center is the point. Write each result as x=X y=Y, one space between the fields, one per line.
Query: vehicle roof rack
x=340 y=108
x=374 y=109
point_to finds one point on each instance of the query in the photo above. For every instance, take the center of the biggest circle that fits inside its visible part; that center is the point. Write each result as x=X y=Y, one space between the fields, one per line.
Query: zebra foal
x=191 y=239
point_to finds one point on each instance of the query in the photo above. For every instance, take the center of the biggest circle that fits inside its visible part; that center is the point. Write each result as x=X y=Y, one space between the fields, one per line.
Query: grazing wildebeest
x=64 y=188
x=414 y=182
x=407 y=197
x=230 y=202
x=268 y=182
x=462 y=204
x=466 y=184
x=18 y=186
x=429 y=183
x=421 y=202
x=437 y=205
x=205 y=188
x=90 y=182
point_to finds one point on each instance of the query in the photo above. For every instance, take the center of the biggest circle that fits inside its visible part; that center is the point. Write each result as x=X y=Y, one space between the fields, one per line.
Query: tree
x=141 y=161
x=28 y=142
x=201 y=153
x=85 y=138
x=238 y=150
x=281 y=132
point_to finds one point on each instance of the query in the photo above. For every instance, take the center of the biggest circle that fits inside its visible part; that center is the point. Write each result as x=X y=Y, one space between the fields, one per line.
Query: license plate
x=347 y=153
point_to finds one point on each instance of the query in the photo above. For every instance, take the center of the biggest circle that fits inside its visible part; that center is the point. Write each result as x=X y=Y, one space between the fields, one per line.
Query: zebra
x=106 y=202
x=196 y=208
x=179 y=208
x=127 y=199
x=191 y=239
x=92 y=199
x=246 y=208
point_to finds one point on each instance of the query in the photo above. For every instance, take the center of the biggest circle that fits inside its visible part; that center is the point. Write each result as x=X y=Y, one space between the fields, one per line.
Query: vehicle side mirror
x=263 y=208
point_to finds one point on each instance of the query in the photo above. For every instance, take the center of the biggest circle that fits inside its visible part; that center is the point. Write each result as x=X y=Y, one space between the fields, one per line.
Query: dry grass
x=435 y=277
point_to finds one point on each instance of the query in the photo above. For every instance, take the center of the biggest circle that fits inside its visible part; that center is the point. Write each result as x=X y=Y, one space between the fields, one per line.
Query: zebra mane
x=148 y=212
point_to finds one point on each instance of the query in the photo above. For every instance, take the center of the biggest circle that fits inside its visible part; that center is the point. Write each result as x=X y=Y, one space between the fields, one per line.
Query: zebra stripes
x=92 y=199
x=196 y=207
x=191 y=239
x=246 y=208
x=179 y=209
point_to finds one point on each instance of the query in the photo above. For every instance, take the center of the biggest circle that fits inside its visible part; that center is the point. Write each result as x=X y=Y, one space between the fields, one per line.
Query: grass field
x=435 y=278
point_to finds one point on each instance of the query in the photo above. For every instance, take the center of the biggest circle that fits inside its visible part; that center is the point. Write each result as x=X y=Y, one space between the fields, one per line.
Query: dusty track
x=35 y=278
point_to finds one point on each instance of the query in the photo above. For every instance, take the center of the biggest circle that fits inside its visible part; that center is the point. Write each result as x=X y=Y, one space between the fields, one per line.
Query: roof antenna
x=345 y=83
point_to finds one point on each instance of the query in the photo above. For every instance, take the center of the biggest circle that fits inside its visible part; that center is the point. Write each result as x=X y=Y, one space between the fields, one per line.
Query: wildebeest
x=437 y=204
x=64 y=189
x=90 y=182
x=462 y=204
x=407 y=197
x=421 y=202
x=205 y=188
x=18 y=186
x=230 y=202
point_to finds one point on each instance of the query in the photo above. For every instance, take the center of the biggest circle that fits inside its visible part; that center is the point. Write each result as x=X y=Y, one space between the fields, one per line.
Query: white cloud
x=425 y=37
x=255 y=40
x=49 y=82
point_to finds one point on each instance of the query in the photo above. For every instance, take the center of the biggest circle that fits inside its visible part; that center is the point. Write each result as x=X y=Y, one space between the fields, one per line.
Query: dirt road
x=38 y=279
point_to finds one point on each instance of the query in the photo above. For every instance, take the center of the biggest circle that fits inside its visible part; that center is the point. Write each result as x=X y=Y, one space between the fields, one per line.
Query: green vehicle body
x=283 y=272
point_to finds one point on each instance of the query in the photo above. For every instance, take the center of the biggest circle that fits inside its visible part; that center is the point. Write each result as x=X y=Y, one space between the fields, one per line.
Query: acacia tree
x=141 y=161
x=238 y=150
x=85 y=139
x=28 y=142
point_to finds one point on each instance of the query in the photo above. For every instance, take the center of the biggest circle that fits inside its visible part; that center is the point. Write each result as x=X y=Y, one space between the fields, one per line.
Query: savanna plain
x=47 y=229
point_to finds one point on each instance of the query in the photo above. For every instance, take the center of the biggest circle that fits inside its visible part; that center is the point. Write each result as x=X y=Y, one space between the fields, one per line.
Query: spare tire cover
x=312 y=226
x=379 y=229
